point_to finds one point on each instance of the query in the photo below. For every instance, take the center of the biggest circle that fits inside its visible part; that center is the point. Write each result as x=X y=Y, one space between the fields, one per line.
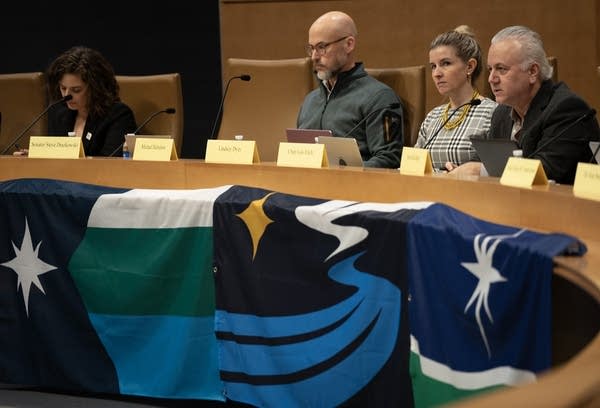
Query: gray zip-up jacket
x=355 y=96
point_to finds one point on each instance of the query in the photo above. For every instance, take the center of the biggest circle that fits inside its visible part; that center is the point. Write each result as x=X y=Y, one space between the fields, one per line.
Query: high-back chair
x=409 y=85
x=23 y=97
x=148 y=94
x=262 y=108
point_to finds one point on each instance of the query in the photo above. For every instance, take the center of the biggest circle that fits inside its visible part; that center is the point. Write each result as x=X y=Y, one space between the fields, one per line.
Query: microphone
x=393 y=105
x=472 y=102
x=243 y=77
x=14 y=142
x=590 y=113
x=170 y=111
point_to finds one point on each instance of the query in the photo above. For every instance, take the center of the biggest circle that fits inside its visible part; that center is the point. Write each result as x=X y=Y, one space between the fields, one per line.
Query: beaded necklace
x=463 y=114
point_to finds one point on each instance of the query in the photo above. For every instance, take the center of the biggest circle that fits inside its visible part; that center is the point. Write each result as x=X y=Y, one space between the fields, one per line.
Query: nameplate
x=415 y=161
x=154 y=149
x=302 y=155
x=55 y=147
x=587 y=181
x=231 y=151
x=520 y=172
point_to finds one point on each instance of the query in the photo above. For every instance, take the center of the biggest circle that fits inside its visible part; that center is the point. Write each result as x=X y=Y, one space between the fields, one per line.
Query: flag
x=267 y=298
x=480 y=304
x=313 y=299
x=107 y=290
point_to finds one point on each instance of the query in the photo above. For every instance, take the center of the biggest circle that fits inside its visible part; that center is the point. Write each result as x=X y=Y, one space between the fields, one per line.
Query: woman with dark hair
x=95 y=112
x=455 y=61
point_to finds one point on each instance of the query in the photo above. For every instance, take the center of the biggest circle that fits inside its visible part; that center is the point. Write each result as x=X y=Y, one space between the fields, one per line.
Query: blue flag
x=311 y=300
x=480 y=304
x=312 y=303
x=107 y=290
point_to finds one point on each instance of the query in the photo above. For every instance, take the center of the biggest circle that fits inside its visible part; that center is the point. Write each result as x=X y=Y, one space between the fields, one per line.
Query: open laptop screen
x=294 y=135
x=130 y=139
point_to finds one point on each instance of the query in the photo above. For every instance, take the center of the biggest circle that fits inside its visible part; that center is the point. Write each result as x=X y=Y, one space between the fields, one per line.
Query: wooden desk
x=551 y=208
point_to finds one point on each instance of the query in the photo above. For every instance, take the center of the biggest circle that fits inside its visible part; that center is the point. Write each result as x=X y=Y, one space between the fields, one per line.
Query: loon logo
x=486 y=274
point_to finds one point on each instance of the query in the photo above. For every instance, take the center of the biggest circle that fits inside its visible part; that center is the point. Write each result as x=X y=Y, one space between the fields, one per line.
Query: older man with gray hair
x=547 y=120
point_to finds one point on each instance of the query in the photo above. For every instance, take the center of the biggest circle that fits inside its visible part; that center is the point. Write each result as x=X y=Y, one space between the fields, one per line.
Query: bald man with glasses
x=348 y=101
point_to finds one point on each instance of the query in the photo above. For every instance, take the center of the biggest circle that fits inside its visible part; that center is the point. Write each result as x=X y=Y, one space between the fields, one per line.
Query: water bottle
x=126 y=154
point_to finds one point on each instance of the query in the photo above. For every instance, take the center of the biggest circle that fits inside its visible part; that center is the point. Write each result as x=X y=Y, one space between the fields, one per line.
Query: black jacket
x=101 y=136
x=552 y=110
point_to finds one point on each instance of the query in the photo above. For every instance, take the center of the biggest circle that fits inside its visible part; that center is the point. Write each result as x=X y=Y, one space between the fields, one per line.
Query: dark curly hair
x=94 y=70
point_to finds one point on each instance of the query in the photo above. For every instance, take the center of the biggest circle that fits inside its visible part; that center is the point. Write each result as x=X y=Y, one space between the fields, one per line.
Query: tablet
x=494 y=153
x=595 y=146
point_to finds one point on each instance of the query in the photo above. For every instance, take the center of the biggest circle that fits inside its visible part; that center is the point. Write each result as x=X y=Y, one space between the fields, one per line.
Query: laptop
x=294 y=135
x=494 y=153
x=595 y=146
x=342 y=151
x=131 y=138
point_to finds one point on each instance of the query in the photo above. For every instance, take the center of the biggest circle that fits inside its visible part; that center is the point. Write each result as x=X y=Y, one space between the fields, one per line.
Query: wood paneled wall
x=397 y=33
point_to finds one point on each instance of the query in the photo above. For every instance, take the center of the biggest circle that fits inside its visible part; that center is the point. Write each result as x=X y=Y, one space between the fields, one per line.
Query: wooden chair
x=409 y=84
x=262 y=108
x=23 y=97
x=148 y=94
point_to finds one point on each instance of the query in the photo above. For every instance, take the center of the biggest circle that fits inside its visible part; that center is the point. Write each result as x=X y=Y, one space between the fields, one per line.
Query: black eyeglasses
x=321 y=48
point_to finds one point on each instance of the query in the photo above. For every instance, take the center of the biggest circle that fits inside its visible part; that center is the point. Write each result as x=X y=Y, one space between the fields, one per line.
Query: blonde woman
x=455 y=61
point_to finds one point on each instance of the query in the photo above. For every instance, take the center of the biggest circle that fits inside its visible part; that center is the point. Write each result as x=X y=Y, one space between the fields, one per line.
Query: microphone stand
x=587 y=115
x=170 y=111
x=244 y=77
x=472 y=102
x=14 y=142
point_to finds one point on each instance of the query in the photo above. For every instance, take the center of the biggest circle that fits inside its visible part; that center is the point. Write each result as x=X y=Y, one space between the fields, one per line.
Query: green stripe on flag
x=165 y=271
x=429 y=392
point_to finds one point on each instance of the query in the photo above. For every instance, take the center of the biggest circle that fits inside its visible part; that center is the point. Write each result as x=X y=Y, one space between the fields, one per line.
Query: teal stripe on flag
x=162 y=356
x=145 y=271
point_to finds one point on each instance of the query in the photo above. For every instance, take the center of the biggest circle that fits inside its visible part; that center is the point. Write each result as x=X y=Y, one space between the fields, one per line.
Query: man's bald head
x=335 y=23
x=331 y=42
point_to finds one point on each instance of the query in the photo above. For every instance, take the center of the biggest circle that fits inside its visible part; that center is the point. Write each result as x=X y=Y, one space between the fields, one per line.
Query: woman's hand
x=469 y=168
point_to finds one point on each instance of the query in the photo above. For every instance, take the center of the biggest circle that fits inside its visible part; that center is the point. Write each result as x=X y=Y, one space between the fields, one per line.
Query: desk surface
x=550 y=208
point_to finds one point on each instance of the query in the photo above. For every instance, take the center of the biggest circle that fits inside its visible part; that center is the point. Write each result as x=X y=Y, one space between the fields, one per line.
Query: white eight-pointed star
x=28 y=266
